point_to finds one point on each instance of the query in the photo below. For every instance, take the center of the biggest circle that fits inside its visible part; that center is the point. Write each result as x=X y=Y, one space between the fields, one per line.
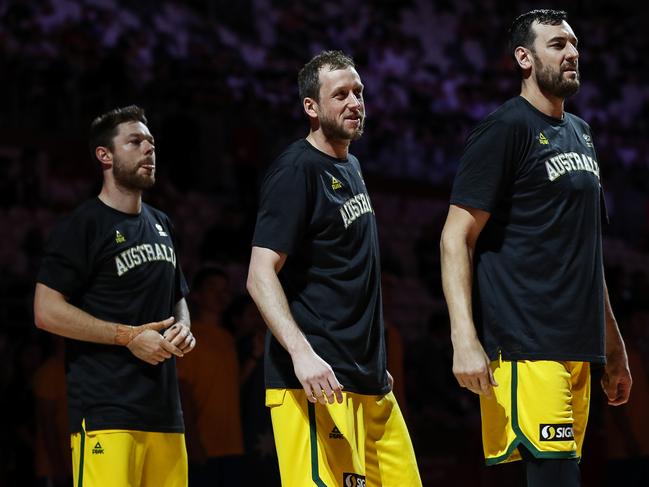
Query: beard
x=129 y=178
x=554 y=82
x=334 y=130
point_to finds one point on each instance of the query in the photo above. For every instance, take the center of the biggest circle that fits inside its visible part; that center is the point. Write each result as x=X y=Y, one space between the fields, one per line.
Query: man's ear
x=104 y=155
x=523 y=57
x=310 y=107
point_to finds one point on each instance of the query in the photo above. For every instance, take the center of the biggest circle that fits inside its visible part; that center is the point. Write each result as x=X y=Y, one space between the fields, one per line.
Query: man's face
x=555 y=57
x=134 y=156
x=341 y=110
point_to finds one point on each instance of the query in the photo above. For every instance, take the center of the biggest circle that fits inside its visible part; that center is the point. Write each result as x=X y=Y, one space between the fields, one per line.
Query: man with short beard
x=522 y=260
x=315 y=277
x=110 y=283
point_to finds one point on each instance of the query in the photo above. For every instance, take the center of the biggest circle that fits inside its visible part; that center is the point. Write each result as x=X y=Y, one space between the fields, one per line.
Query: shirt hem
x=572 y=357
x=356 y=390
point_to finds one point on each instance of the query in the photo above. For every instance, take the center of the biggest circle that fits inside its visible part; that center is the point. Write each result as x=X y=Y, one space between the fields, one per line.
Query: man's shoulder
x=577 y=121
x=297 y=158
x=83 y=214
x=511 y=113
x=296 y=154
x=148 y=210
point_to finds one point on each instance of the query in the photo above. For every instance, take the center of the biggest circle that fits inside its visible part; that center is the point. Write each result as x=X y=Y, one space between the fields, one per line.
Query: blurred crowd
x=218 y=81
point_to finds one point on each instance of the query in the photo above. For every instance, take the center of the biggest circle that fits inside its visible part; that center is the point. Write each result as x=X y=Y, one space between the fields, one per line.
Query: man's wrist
x=124 y=334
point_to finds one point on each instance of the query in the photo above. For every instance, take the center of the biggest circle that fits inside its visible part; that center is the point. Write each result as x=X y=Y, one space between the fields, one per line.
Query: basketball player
x=111 y=284
x=522 y=259
x=315 y=277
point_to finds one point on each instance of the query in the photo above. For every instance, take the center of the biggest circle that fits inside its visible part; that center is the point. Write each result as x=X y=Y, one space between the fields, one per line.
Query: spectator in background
x=209 y=387
x=250 y=331
x=52 y=442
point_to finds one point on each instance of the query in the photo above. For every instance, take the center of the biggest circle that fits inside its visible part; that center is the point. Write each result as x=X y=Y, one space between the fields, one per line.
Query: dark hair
x=521 y=32
x=103 y=129
x=205 y=273
x=308 y=79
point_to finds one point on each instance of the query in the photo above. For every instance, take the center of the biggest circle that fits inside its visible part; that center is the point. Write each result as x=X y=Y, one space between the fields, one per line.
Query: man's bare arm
x=459 y=237
x=315 y=375
x=616 y=380
x=53 y=313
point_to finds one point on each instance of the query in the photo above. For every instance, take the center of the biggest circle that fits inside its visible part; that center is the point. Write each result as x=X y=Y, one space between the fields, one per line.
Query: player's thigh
x=316 y=444
x=106 y=458
x=389 y=455
x=129 y=458
x=499 y=437
x=166 y=460
x=552 y=403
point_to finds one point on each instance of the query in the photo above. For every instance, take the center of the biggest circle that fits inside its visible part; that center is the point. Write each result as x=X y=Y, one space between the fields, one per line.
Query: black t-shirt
x=315 y=208
x=120 y=268
x=538 y=282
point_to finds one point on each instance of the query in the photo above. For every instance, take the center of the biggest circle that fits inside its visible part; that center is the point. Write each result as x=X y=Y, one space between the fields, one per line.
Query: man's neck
x=550 y=105
x=338 y=148
x=121 y=199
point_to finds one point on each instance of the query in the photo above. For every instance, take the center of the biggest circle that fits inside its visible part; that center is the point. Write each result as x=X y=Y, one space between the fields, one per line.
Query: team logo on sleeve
x=543 y=140
x=161 y=230
x=556 y=432
x=119 y=238
x=587 y=140
x=353 y=480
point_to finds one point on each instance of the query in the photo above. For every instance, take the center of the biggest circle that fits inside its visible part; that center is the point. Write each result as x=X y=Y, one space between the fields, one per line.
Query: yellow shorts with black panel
x=539 y=404
x=128 y=458
x=363 y=442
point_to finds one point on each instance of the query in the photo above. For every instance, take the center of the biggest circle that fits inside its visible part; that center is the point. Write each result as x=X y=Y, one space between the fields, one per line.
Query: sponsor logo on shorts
x=97 y=449
x=353 y=480
x=336 y=434
x=556 y=432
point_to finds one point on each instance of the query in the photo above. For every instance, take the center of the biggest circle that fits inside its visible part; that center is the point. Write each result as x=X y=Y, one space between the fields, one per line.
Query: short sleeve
x=181 y=289
x=283 y=209
x=66 y=264
x=487 y=166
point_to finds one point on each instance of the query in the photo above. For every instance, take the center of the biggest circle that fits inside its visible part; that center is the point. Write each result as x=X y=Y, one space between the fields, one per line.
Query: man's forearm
x=181 y=313
x=267 y=293
x=55 y=315
x=456 y=260
x=614 y=341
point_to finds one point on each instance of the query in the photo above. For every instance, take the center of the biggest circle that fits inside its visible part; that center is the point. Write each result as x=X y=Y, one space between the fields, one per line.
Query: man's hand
x=180 y=336
x=149 y=345
x=616 y=380
x=471 y=368
x=317 y=377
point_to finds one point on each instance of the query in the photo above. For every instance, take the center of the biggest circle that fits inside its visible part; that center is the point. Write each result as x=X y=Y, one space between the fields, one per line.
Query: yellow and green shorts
x=363 y=442
x=539 y=404
x=107 y=458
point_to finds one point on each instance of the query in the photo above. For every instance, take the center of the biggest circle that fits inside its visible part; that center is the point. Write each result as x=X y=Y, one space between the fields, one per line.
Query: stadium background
x=218 y=81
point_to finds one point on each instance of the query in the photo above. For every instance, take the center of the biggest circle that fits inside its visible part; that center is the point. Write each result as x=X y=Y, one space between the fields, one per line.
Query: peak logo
x=353 y=480
x=556 y=432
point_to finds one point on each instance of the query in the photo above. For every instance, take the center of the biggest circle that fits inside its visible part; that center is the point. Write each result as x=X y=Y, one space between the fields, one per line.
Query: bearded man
x=522 y=265
x=111 y=284
x=315 y=277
